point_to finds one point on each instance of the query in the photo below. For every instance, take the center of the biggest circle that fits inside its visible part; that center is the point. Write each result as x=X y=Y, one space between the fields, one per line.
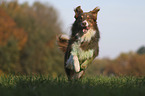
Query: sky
x=121 y=22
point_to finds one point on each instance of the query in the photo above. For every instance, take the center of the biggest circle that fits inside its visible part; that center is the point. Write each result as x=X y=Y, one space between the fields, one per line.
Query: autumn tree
x=12 y=41
x=9 y=29
x=40 y=53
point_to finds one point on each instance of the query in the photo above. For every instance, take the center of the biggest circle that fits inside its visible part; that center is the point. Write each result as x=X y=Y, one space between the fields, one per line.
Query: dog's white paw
x=73 y=63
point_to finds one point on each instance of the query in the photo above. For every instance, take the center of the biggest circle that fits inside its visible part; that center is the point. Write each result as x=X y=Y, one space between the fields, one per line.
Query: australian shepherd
x=82 y=46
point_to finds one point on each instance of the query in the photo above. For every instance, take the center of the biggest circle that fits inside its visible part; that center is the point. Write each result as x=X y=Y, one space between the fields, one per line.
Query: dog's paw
x=73 y=63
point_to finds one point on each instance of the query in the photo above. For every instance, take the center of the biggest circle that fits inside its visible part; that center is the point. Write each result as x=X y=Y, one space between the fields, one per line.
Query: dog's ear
x=94 y=12
x=78 y=11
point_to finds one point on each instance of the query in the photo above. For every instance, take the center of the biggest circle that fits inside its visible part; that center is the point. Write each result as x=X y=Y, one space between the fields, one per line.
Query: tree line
x=126 y=64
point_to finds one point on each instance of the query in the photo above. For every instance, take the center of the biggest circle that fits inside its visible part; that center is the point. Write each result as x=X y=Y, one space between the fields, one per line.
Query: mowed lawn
x=35 y=85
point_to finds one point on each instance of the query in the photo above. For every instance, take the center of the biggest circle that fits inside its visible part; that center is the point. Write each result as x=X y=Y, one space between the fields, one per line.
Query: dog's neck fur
x=87 y=37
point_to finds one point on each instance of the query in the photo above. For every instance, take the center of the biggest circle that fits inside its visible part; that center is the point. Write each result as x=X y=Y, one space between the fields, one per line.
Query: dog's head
x=85 y=20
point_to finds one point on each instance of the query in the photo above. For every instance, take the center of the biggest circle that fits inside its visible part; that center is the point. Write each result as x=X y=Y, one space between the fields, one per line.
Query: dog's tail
x=62 y=42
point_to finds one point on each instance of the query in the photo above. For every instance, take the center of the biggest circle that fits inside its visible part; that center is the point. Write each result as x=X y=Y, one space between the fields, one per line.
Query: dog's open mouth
x=85 y=29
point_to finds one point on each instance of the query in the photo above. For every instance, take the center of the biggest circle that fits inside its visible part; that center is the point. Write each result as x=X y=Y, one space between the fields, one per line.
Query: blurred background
x=28 y=30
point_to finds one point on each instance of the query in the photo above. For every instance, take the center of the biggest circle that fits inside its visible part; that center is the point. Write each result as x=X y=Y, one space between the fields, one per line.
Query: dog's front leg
x=86 y=63
x=73 y=63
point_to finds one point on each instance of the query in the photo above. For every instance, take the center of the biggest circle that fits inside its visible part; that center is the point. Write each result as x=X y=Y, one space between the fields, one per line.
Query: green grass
x=94 y=86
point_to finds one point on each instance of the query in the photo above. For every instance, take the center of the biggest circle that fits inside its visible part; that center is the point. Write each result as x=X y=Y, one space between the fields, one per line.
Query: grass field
x=94 y=86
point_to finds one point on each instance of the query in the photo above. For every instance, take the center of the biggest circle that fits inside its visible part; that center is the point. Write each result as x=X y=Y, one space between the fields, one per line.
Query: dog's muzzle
x=85 y=26
x=84 y=23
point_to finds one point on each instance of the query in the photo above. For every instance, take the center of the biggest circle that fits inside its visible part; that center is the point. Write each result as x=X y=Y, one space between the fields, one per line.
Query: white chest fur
x=87 y=37
x=78 y=54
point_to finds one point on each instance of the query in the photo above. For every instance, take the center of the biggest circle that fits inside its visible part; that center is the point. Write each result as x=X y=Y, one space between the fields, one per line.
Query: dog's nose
x=84 y=24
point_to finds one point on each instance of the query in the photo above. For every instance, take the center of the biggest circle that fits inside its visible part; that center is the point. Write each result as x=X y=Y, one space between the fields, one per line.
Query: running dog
x=82 y=46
